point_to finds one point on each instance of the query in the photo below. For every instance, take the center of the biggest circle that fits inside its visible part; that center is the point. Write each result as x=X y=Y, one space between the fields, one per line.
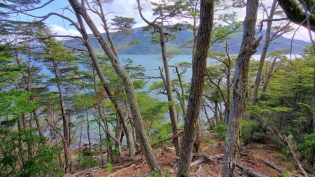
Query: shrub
x=221 y=129
x=250 y=131
x=86 y=161
x=307 y=149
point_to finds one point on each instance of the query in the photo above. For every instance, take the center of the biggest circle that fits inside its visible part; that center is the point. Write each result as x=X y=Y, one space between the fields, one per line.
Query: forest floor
x=254 y=160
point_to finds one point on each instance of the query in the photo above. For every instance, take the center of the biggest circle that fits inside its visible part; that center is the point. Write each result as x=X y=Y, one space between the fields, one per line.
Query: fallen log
x=249 y=172
x=128 y=164
x=280 y=170
x=204 y=158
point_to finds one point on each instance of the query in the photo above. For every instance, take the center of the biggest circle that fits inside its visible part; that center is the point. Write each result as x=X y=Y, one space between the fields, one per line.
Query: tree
x=81 y=12
x=23 y=151
x=303 y=15
x=248 y=48
x=196 y=90
x=62 y=66
x=166 y=11
x=272 y=33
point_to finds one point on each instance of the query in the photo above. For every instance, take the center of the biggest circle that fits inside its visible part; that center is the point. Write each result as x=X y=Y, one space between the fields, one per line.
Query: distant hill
x=145 y=47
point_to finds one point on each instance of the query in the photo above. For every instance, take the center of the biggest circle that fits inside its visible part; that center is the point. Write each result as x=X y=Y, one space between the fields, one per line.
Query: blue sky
x=121 y=8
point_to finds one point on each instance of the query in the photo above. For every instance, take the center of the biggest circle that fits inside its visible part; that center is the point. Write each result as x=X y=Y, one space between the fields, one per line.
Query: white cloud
x=59 y=30
x=301 y=34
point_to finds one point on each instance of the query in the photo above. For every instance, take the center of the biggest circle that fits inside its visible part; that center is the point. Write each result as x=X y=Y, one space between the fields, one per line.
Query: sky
x=125 y=8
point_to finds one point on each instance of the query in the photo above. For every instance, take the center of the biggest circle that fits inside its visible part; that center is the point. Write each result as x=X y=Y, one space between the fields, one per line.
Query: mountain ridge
x=145 y=47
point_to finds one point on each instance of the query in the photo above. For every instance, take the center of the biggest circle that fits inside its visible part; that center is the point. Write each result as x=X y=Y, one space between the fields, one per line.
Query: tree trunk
x=88 y=131
x=197 y=86
x=182 y=97
x=132 y=99
x=168 y=84
x=228 y=93
x=100 y=144
x=263 y=53
x=271 y=70
x=40 y=131
x=66 y=128
x=248 y=48
x=216 y=116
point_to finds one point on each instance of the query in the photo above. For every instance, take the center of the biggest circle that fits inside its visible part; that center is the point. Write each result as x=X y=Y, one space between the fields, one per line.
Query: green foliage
x=155 y=39
x=155 y=173
x=14 y=103
x=86 y=161
x=166 y=173
x=221 y=129
x=250 y=130
x=40 y=162
x=226 y=26
x=123 y=23
x=285 y=151
x=59 y=174
x=287 y=174
x=307 y=149
x=8 y=70
x=134 y=42
x=109 y=167
x=151 y=108
x=207 y=139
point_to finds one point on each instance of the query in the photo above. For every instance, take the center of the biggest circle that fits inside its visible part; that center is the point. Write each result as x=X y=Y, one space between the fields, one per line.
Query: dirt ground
x=208 y=162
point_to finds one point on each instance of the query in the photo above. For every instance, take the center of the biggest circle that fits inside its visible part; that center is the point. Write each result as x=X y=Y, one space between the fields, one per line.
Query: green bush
x=86 y=161
x=221 y=129
x=109 y=167
x=155 y=173
x=250 y=131
x=307 y=149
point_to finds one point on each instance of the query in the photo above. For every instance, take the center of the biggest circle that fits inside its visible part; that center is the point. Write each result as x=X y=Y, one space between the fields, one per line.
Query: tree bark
x=248 y=48
x=197 y=86
x=263 y=53
x=129 y=88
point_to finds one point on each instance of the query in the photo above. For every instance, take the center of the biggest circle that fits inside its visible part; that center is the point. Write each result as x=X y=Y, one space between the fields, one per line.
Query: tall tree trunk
x=132 y=98
x=228 y=93
x=80 y=142
x=248 y=48
x=88 y=131
x=216 y=116
x=40 y=131
x=182 y=97
x=100 y=144
x=171 y=107
x=271 y=70
x=66 y=128
x=168 y=83
x=263 y=53
x=197 y=86
x=101 y=75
